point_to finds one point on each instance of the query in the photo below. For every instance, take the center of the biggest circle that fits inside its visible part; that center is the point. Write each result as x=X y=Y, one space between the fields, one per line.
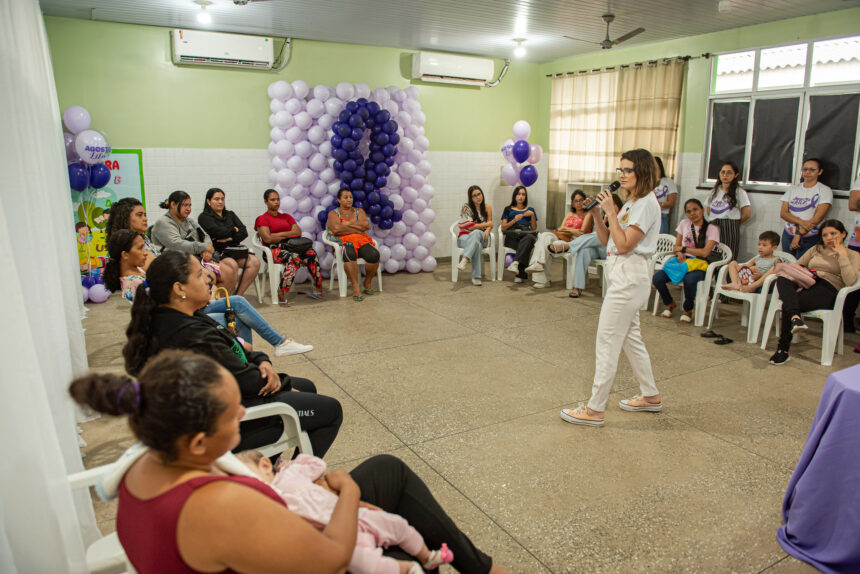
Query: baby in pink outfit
x=301 y=483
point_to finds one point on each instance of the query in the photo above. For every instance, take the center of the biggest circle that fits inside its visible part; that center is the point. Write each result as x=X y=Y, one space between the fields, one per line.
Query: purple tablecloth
x=821 y=508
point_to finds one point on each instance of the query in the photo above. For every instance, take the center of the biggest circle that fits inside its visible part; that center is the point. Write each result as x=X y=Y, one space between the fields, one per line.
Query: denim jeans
x=807 y=242
x=472 y=244
x=247 y=318
x=664 y=223
x=691 y=285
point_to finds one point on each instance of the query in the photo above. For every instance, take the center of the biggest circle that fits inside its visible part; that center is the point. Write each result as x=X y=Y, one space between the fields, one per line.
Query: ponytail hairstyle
x=176 y=197
x=732 y=192
x=164 y=272
x=699 y=238
x=120 y=241
x=478 y=214
x=172 y=398
x=120 y=214
x=209 y=195
x=645 y=168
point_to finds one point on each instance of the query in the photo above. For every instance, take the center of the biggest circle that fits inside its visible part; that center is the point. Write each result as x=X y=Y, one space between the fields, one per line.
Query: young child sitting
x=302 y=484
x=748 y=277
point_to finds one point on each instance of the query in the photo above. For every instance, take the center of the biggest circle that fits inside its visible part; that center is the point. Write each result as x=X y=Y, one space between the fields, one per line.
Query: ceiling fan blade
x=627 y=36
x=581 y=40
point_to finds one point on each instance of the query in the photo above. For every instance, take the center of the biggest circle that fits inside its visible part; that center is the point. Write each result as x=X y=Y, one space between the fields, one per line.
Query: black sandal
x=709 y=334
x=723 y=341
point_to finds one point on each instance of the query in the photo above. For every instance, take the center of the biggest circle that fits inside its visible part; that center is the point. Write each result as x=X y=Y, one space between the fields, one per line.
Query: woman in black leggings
x=166 y=315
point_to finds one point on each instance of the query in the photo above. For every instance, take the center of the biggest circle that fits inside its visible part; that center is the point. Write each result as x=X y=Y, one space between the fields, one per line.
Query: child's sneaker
x=439 y=557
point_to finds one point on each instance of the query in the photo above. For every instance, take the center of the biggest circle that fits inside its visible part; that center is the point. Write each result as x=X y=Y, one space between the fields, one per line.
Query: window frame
x=803 y=94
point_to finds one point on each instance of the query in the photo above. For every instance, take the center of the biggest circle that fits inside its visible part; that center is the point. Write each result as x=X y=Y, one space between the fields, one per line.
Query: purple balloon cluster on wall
x=517 y=151
x=308 y=168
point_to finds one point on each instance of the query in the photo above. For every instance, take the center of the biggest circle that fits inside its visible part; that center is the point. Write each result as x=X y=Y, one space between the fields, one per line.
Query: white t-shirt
x=802 y=202
x=644 y=213
x=854 y=233
x=664 y=189
x=720 y=208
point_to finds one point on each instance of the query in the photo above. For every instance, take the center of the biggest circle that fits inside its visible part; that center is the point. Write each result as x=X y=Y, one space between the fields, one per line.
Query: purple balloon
x=69 y=140
x=98 y=293
x=509 y=258
x=79 y=176
x=85 y=293
x=528 y=175
x=521 y=151
x=99 y=175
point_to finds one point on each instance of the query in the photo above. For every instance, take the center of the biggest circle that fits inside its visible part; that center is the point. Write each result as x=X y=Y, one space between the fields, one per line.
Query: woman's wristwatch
x=683 y=249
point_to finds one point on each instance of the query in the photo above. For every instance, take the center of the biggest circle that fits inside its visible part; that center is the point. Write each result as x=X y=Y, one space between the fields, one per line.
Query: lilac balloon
x=301 y=89
x=412 y=92
x=420 y=252
x=276 y=134
x=391 y=266
x=272 y=149
x=276 y=106
x=411 y=131
x=293 y=106
x=306 y=177
x=410 y=216
x=297 y=163
x=325 y=148
x=392 y=106
x=413 y=266
x=319 y=188
x=384 y=253
x=522 y=130
x=410 y=241
x=302 y=275
x=422 y=143
x=427 y=192
x=403 y=118
x=415 y=157
x=316 y=108
x=288 y=204
x=398 y=229
x=419 y=118
x=308 y=223
x=305 y=205
x=298 y=191
x=394 y=181
x=334 y=106
x=334 y=187
x=535 y=153
x=77 y=119
x=284 y=119
x=508 y=150
x=322 y=93
x=398 y=96
x=428 y=239
x=304 y=149
x=327 y=175
x=509 y=174
x=69 y=141
x=405 y=146
x=295 y=134
x=396 y=200
x=318 y=162
x=304 y=120
x=362 y=90
x=278 y=164
x=409 y=194
x=281 y=90
x=427 y=216
x=398 y=251
x=272 y=122
x=406 y=170
x=419 y=229
x=418 y=206
x=345 y=91
x=424 y=167
x=429 y=264
x=284 y=148
x=326 y=122
x=418 y=181
x=98 y=293
x=273 y=176
x=380 y=95
x=85 y=292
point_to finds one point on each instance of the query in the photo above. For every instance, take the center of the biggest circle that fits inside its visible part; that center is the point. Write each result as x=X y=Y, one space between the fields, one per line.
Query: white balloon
x=393 y=180
x=384 y=253
x=427 y=192
x=422 y=143
x=325 y=148
x=410 y=216
x=411 y=131
x=288 y=205
x=308 y=223
x=398 y=229
x=391 y=241
x=319 y=246
x=276 y=134
x=418 y=181
x=399 y=96
x=276 y=106
x=284 y=119
x=295 y=134
x=428 y=240
x=396 y=200
x=319 y=188
x=398 y=252
x=429 y=264
x=273 y=176
x=326 y=261
x=317 y=135
x=345 y=91
x=403 y=118
x=318 y=162
x=419 y=118
x=305 y=149
x=380 y=95
x=334 y=187
x=362 y=90
x=406 y=170
x=327 y=175
x=272 y=150
x=412 y=92
x=409 y=194
x=278 y=163
x=284 y=148
x=281 y=90
x=334 y=106
x=412 y=106
x=316 y=108
x=304 y=120
x=306 y=177
x=405 y=146
x=271 y=90
x=420 y=252
x=424 y=167
x=298 y=192
x=419 y=229
x=391 y=266
x=293 y=105
x=415 y=157
x=301 y=89
x=305 y=205
x=413 y=266
x=418 y=206
x=326 y=122
x=392 y=107
x=327 y=200
x=427 y=216
x=322 y=93
x=286 y=178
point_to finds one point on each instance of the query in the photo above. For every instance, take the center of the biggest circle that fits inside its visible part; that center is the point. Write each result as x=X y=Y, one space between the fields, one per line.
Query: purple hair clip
x=122 y=389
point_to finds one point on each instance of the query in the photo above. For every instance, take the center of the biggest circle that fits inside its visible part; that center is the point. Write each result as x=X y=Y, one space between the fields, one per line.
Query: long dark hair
x=172 y=398
x=478 y=214
x=120 y=215
x=699 y=238
x=834 y=223
x=514 y=195
x=210 y=193
x=662 y=173
x=120 y=241
x=732 y=192
x=645 y=168
x=167 y=269
x=573 y=196
x=176 y=197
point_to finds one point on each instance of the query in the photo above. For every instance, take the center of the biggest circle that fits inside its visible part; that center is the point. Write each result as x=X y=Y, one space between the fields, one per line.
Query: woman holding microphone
x=630 y=239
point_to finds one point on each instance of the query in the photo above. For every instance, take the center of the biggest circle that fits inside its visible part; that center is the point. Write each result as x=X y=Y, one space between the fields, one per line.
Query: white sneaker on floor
x=518 y=279
x=290 y=347
x=514 y=267
x=534 y=268
x=462 y=264
x=541 y=285
x=476 y=281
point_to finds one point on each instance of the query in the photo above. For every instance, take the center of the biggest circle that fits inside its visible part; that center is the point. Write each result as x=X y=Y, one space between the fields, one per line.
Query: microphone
x=613 y=187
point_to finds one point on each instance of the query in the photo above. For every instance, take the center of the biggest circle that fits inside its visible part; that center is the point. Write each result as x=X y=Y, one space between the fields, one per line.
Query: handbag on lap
x=795 y=272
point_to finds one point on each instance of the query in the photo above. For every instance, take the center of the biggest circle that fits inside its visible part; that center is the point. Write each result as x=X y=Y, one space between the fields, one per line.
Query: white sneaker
x=518 y=279
x=462 y=264
x=541 y=285
x=476 y=281
x=534 y=268
x=514 y=267
x=290 y=347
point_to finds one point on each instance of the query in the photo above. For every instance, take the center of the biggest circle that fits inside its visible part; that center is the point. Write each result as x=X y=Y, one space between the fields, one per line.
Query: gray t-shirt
x=764 y=263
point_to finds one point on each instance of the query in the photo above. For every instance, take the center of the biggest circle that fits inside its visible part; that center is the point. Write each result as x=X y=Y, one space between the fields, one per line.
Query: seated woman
x=177 y=231
x=178 y=513
x=347 y=225
x=227 y=232
x=575 y=224
x=125 y=270
x=168 y=315
x=129 y=213
x=587 y=248
x=835 y=267
x=697 y=238
x=284 y=236
x=476 y=224
x=803 y=207
x=519 y=225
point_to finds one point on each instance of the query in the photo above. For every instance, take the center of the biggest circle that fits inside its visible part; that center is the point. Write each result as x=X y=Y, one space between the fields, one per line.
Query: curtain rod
x=634 y=64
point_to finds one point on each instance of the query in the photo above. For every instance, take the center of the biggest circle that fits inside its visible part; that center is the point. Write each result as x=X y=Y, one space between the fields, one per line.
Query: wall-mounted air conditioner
x=217 y=49
x=450 y=69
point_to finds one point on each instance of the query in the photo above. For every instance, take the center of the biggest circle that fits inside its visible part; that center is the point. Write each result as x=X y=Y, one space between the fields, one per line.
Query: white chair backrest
x=454 y=230
x=783 y=256
x=665 y=243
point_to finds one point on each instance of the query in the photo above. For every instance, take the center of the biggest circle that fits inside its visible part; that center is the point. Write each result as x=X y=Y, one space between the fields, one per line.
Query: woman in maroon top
x=177 y=514
x=276 y=229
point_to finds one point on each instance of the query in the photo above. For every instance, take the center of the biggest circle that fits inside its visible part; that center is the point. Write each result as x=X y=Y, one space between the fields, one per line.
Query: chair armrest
x=843 y=293
x=721 y=275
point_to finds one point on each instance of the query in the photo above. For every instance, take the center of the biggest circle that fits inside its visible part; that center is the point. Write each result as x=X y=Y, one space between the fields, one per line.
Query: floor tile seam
x=766 y=568
x=481 y=510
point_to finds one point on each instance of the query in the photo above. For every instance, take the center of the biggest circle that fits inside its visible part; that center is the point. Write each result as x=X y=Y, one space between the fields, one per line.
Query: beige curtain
x=595 y=117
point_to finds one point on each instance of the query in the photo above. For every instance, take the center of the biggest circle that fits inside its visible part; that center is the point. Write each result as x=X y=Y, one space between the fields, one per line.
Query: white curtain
x=43 y=524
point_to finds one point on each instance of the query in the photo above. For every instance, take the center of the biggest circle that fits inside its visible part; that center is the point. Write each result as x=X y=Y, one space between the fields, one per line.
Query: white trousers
x=629 y=288
x=541 y=255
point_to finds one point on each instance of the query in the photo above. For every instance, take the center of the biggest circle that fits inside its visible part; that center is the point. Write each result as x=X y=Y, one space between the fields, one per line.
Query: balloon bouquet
x=86 y=151
x=372 y=143
x=516 y=152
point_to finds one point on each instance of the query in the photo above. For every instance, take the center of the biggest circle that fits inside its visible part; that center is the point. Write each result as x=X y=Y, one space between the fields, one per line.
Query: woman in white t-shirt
x=630 y=239
x=728 y=206
x=853 y=299
x=804 y=206
x=667 y=195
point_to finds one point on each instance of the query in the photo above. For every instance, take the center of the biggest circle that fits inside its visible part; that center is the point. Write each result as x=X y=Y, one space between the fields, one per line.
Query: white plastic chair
x=503 y=252
x=456 y=252
x=337 y=264
x=753 y=303
x=665 y=244
x=830 y=318
x=107 y=553
x=700 y=305
x=259 y=281
x=273 y=270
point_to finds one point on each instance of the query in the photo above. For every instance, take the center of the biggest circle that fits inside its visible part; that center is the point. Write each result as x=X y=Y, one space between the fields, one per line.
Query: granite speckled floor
x=465 y=383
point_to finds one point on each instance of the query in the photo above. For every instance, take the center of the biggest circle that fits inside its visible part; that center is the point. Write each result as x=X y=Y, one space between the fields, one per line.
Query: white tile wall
x=243 y=175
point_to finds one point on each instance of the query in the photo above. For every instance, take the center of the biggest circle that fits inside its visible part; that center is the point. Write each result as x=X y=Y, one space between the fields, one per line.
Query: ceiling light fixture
x=520 y=50
x=203 y=16
x=724 y=6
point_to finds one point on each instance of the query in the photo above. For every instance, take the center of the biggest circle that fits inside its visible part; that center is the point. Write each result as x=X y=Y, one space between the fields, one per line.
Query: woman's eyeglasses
x=624 y=170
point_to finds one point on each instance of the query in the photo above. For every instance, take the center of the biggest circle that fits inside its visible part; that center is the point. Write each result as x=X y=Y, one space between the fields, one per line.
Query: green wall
x=694 y=105
x=124 y=76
